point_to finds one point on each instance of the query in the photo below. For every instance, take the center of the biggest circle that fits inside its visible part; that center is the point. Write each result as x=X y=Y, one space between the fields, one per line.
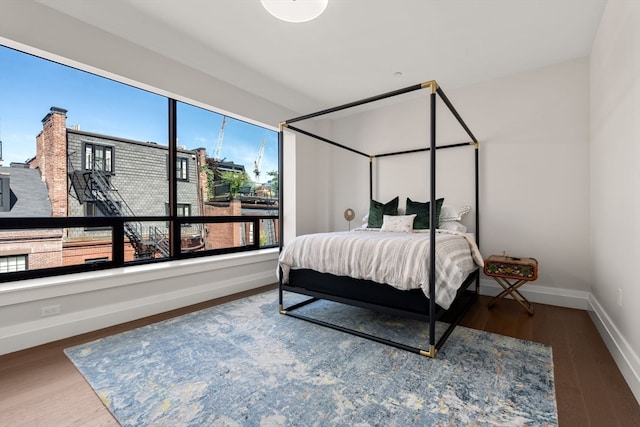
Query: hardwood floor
x=41 y=387
x=590 y=390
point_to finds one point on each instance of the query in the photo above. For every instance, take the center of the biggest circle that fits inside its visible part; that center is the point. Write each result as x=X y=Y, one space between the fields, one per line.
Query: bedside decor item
x=349 y=214
x=511 y=273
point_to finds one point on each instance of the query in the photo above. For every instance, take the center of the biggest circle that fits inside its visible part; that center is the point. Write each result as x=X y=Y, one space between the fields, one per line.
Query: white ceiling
x=353 y=50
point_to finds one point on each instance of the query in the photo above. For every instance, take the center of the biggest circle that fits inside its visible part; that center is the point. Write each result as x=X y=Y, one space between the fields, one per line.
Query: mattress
x=400 y=260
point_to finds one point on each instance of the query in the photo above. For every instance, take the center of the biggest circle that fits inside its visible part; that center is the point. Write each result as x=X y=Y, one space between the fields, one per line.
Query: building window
x=5 y=194
x=182 y=169
x=13 y=263
x=98 y=157
x=96 y=260
x=184 y=209
x=96 y=208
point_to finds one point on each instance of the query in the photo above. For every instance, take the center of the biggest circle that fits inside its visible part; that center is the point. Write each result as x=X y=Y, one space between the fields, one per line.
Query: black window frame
x=117 y=224
x=94 y=148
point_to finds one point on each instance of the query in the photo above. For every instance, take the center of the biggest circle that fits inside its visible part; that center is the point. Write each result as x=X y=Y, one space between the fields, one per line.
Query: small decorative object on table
x=349 y=214
x=511 y=273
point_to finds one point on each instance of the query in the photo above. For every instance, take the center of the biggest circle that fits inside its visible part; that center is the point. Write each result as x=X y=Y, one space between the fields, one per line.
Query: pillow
x=453 y=225
x=398 y=223
x=453 y=213
x=377 y=210
x=422 y=212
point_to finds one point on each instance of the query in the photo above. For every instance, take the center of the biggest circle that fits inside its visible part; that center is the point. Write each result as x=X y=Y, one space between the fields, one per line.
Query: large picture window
x=89 y=179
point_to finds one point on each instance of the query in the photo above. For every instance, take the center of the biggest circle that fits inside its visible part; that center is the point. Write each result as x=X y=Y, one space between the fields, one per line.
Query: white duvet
x=397 y=259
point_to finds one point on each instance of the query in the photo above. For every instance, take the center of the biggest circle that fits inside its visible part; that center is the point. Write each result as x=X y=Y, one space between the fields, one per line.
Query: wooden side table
x=511 y=273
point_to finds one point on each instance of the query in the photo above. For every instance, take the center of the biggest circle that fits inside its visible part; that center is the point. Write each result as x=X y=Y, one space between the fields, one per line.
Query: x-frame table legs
x=512 y=289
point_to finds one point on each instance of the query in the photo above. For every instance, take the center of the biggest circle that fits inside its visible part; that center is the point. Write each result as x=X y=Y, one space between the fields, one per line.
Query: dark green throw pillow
x=377 y=211
x=422 y=213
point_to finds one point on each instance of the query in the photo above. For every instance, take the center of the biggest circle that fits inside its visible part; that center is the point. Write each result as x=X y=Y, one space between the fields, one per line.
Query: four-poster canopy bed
x=424 y=301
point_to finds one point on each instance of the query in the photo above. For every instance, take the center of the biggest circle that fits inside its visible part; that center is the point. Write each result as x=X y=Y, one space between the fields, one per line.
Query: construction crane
x=216 y=155
x=256 y=164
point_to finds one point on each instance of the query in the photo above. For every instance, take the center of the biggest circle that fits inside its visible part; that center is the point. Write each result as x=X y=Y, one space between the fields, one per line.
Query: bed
x=387 y=269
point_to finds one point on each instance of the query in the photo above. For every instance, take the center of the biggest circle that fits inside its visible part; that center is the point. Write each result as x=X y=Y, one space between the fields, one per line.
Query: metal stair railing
x=110 y=197
x=95 y=186
x=159 y=240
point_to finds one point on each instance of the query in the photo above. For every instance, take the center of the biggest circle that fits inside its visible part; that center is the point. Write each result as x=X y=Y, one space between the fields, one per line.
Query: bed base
x=382 y=298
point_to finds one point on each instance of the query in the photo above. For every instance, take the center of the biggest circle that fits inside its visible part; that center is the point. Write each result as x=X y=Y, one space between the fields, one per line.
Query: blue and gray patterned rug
x=243 y=364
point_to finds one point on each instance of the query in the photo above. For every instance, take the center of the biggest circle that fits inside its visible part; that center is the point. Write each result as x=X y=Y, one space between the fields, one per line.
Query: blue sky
x=30 y=86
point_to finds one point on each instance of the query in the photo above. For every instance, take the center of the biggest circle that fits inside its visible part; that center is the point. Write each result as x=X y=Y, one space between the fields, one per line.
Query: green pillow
x=422 y=213
x=377 y=211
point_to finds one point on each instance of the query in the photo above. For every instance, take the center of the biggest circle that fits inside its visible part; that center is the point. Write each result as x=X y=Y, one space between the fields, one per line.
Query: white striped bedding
x=397 y=259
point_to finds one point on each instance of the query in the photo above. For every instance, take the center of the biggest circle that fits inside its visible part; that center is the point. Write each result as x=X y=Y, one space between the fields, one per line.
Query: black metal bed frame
x=433 y=312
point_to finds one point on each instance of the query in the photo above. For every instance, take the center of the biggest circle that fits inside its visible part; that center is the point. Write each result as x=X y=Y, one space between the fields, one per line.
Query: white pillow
x=398 y=223
x=453 y=213
x=453 y=225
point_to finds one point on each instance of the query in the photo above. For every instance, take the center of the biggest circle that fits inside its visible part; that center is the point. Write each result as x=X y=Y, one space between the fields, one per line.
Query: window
x=13 y=263
x=84 y=211
x=96 y=260
x=182 y=169
x=5 y=194
x=97 y=208
x=184 y=209
x=98 y=157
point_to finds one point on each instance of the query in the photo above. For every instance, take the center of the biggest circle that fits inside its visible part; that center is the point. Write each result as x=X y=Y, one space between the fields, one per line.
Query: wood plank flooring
x=41 y=387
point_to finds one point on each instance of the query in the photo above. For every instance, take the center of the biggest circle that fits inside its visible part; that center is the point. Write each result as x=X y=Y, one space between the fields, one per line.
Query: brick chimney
x=51 y=158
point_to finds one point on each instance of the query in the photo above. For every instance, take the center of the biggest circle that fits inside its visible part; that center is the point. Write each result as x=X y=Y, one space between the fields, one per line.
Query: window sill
x=56 y=286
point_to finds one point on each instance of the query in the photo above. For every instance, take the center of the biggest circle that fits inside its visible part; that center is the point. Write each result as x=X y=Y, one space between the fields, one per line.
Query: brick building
x=24 y=195
x=89 y=174
x=78 y=174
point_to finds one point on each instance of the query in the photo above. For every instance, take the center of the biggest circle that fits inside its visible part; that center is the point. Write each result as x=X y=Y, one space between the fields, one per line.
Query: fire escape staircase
x=95 y=185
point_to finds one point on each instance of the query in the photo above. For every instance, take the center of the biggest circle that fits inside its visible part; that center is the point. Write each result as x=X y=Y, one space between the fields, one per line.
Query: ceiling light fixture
x=295 y=10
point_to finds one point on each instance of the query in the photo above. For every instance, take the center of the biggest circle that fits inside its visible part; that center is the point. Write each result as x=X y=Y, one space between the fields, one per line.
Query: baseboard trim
x=627 y=360
x=542 y=294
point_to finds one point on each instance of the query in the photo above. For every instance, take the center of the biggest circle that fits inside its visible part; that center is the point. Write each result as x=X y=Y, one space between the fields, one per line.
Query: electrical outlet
x=49 y=310
x=619 y=297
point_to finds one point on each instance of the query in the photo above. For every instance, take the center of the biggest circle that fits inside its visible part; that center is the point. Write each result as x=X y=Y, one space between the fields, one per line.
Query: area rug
x=244 y=364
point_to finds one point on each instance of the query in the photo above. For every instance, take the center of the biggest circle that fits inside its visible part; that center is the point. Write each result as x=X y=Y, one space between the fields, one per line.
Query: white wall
x=615 y=184
x=99 y=299
x=533 y=130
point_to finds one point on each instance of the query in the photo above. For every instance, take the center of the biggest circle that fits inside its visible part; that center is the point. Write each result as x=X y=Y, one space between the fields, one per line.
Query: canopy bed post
x=370 y=177
x=280 y=204
x=477 y=161
x=432 y=222
x=475 y=144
